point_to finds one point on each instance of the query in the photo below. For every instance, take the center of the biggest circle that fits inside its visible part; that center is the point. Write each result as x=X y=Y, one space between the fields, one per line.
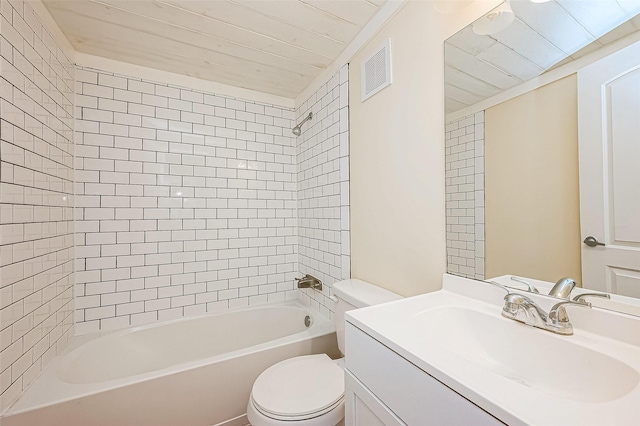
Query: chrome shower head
x=298 y=129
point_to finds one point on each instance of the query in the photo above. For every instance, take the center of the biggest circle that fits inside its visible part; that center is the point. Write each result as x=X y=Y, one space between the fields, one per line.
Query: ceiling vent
x=376 y=71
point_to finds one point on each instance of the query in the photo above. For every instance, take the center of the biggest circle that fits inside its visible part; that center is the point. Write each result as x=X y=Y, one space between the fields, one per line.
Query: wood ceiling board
x=520 y=38
x=595 y=16
x=273 y=46
x=470 y=83
x=588 y=18
x=587 y=49
x=306 y=16
x=471 y=42
x=554 y=23
x=453 y=105
x=357 y=11
x=506 y=59
x=460 y=95
x=241 y=17
x=628 y=28
x=223 y=69
x=217 y=29
x=461 y=60
x=78 y=19
x=623 y=30
x=631 y=7
x=192 y=67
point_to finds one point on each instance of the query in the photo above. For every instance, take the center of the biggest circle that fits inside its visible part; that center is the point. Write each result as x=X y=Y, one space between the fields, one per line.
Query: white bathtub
x=192 y=371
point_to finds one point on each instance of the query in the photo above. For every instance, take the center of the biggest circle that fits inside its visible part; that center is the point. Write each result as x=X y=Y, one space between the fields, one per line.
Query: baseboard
x=236 y=421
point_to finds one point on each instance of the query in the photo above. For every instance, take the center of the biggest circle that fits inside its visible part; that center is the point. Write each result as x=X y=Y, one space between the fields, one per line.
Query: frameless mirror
x=512 y=169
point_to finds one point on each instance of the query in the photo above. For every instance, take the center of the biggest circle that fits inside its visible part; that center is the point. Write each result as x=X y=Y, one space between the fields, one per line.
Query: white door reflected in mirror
x=609 y=143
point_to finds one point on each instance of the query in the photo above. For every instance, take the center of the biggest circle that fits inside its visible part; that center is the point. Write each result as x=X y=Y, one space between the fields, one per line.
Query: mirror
x=511 y=136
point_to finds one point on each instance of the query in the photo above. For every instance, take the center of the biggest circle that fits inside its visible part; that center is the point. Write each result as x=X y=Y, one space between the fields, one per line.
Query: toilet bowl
x=305 y=390
x=309 y=390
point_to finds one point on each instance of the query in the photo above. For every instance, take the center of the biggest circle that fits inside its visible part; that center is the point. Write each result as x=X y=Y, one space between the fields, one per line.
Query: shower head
x=298 y=129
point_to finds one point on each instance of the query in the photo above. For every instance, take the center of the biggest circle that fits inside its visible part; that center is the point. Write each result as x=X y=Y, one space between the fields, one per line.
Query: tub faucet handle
x=309 y=281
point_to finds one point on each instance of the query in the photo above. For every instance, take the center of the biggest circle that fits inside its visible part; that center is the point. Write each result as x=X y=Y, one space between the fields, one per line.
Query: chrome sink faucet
x=520 y=308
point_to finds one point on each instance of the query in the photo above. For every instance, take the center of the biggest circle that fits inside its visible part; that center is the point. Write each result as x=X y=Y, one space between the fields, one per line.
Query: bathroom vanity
x=450 y=357
x=383 y=388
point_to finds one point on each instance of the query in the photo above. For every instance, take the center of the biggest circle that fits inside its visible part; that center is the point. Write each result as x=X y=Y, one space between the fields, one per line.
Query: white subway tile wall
x=323 y=189
x=464 y=174
x=185 y=202
x=36 y=198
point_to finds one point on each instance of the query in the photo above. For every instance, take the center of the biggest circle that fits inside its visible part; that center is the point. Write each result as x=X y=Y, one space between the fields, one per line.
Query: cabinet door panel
x=363 y=408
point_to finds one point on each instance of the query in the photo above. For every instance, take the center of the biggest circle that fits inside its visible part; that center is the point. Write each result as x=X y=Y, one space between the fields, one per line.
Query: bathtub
x=191 y=371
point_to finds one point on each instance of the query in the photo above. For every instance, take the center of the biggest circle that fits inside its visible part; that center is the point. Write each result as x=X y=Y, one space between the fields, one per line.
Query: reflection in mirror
x=512 y=170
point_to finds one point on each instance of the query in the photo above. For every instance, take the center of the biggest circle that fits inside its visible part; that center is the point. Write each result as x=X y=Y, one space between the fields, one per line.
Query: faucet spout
x=563 y=288
x=309 y=281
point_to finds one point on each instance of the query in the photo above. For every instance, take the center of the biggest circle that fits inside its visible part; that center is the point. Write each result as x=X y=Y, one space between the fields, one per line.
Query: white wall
x=532 y=184
x=36 y=197
x=186 y=202
x=398 y=154
x=323 y=189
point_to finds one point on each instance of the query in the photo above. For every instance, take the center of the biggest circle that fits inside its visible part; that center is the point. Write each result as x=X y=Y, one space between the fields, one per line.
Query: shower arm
x=307 y=118
x=298 y=129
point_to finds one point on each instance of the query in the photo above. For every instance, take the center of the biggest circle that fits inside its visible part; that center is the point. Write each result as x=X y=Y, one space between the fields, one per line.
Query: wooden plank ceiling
x=272 y=46
x=541 y=37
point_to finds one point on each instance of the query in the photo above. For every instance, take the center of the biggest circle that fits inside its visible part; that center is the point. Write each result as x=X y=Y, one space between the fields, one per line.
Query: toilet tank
x=354 y=294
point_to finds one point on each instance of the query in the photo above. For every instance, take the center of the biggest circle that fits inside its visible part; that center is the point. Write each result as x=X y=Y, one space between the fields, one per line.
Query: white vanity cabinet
x=384 y=389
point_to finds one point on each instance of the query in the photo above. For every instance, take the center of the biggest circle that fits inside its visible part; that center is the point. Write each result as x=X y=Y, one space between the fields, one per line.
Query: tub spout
x=309 y=281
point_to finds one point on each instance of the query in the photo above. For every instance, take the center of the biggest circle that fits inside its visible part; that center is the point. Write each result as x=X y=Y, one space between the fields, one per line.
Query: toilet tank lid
x=361 y=293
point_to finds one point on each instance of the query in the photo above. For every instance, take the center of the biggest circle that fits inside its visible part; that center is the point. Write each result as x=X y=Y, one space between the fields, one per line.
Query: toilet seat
x=299 y=388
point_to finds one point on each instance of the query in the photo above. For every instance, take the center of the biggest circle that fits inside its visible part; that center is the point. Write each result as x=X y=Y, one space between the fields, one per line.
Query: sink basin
x=531 y=357
x=520 y=374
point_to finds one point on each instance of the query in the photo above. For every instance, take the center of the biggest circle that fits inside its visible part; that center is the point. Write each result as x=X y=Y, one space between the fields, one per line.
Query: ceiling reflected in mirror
x=482 y=61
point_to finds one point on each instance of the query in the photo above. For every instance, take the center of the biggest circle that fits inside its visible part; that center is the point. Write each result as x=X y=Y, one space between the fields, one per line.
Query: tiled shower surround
x=36 y=198
x=188 y=202
x=323 y=189
x=185 y=202
x=464 y=174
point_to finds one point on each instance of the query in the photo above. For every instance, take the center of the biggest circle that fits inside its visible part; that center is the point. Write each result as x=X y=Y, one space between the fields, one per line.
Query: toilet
x=309 y=390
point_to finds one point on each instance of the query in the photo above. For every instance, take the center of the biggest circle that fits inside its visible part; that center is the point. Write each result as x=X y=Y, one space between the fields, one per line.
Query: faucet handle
x=580 y=298
x=532 y=288
x=513 y=302
x=504 y=287
x=309 y=281
x=558 y=314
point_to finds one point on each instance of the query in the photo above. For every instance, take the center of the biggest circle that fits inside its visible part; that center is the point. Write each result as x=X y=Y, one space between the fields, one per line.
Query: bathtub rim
x=39 y=395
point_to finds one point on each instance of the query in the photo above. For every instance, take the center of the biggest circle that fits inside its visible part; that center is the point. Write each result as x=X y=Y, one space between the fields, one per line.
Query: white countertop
x=511 y=399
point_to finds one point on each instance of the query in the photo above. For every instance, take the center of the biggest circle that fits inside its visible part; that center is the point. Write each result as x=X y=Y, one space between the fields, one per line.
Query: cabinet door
x=362 y=408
